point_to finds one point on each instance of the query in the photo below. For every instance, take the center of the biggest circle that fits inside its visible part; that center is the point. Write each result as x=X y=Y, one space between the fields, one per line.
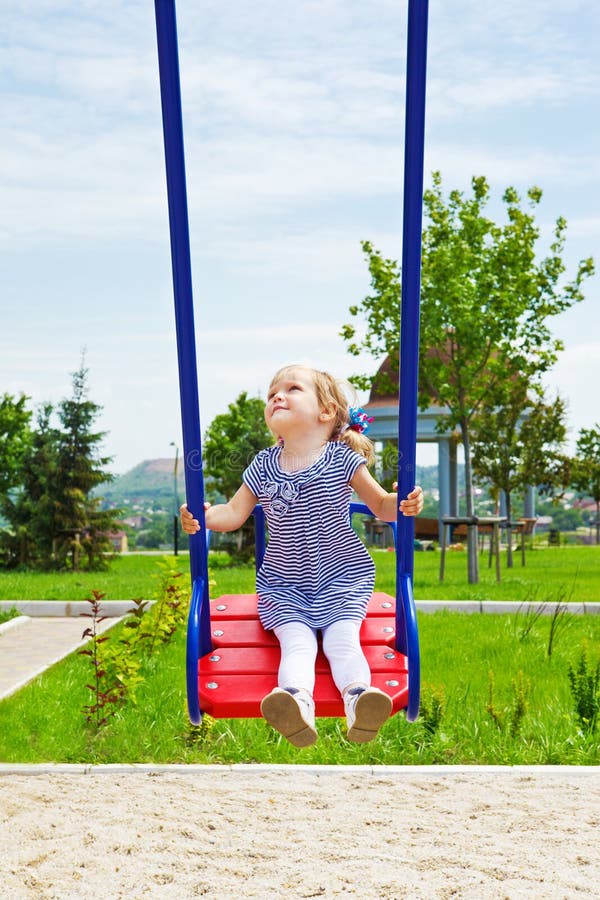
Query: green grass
x=550 y=574
x=7 y=614
x=128 y=577
x=565 y=573
x=44 y=722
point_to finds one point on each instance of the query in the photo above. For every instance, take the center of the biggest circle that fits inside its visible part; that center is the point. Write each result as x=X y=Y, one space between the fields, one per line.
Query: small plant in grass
x=199 y=735
x=518 y=708
x=433 y=704
x=585 y=688
x=493 y=713
x=123 y=666
x=107 y=693
x=121 y=662
x=172 y=606
x=509 y=718
x=122 y=658
x=7 y=614
x=166 y=616
x=528 y=615
x=136 y=613
x=560 y=619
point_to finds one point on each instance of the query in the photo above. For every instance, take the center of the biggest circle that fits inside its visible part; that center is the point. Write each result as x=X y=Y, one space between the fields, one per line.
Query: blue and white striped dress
x=316 y=570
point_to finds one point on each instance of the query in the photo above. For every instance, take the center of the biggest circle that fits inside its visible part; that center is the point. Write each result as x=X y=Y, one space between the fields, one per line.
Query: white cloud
x=483 y=90
x=528 y=165
x=585 y=227
x=576 y=377
x=317 y=259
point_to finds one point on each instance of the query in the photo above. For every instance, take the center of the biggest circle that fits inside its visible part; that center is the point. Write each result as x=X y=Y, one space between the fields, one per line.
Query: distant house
x=118 y=540
x=136 y=521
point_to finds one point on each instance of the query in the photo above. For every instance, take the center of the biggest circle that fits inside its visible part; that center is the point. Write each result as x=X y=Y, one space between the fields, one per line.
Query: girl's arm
x=382 y=504
x=224 y=516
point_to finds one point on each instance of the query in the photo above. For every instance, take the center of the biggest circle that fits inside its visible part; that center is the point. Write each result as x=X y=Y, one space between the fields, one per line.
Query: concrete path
x=29 y=646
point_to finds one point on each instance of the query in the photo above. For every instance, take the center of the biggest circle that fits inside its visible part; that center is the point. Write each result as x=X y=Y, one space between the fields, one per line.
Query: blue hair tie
x=359 y=420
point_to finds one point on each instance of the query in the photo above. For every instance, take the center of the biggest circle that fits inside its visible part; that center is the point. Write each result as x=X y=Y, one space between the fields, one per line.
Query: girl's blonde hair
x=332 y=395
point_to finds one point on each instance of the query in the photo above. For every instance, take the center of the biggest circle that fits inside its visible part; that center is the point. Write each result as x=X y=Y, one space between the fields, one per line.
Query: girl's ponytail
x=354 y=434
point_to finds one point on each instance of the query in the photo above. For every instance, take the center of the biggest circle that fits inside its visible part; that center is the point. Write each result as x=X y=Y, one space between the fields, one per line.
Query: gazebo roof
x=383 y=404
x=386 y=386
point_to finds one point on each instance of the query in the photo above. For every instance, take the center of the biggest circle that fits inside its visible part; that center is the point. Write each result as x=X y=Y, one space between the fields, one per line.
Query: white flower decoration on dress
x=279 y=507
x=270 y=489
x=289 y=491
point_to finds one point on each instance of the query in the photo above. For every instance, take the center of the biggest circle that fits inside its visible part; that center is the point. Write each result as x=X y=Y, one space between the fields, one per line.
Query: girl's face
x=292 y=402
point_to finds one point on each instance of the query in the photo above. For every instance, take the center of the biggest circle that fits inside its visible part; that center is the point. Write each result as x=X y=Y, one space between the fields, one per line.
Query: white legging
x=341 y=646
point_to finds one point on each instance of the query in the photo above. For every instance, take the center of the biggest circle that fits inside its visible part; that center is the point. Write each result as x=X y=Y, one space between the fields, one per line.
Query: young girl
x=316 y=574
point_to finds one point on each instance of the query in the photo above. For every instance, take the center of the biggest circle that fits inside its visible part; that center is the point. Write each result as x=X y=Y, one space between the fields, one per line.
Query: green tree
x=585 y=475
x=14 y=439
x=30 y=509
x=54 y=521
x=231 y=442
x=563 y=519
x=157 y=533
x=486 y=303
x=519 y=442
x=81 y=526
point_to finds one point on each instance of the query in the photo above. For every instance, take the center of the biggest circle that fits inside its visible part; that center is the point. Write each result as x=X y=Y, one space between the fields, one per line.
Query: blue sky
x=294 y=117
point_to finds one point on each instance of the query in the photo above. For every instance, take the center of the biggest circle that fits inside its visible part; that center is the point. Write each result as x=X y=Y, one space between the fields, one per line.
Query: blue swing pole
x=414 y=140
x=199 y=639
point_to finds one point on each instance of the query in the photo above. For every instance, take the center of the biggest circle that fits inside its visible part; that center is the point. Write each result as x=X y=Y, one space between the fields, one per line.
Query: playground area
x=144 y=763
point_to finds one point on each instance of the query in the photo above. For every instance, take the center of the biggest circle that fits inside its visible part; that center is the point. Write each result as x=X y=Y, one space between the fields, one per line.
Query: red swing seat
x=242 y=667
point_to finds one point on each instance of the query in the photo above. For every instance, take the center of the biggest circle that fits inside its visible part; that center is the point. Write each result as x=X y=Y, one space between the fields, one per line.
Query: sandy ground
x=258 y=832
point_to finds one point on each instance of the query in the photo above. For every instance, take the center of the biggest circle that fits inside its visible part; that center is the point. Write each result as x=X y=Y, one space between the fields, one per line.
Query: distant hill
x=148 y=487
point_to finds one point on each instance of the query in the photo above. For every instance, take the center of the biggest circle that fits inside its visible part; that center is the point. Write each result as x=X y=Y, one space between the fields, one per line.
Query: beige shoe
x=366 y=711
x=292 y=713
